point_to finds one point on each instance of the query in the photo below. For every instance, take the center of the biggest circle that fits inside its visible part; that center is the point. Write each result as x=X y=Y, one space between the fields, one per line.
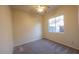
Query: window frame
x=55 y=24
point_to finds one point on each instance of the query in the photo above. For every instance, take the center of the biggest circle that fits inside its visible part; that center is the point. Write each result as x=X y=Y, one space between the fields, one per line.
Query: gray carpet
x=43 y=46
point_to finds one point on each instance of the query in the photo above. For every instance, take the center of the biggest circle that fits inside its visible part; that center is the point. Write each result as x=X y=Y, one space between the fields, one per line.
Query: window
x=56 y=24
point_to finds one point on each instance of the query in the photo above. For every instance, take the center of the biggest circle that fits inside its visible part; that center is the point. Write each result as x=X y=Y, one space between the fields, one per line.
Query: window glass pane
x=60 y=23
x=52 y=25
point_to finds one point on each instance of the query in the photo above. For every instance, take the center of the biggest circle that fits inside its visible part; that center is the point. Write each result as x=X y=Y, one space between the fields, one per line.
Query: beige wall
x=78 y=19
x=6 y=45
x=70 y=35
x=27 y=27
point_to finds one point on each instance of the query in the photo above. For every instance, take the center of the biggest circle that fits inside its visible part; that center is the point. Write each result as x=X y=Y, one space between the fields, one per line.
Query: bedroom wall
x=27 y=27
x=6 y=38
x=70 y=35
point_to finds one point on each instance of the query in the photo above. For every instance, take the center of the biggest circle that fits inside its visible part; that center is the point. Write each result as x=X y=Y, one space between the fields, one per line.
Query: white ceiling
x=31 y=8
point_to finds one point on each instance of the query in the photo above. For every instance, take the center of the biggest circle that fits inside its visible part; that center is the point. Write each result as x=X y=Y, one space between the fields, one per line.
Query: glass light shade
x=40 y=8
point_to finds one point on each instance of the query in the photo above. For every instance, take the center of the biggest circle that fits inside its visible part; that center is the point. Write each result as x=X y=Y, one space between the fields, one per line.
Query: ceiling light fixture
x=40 y=8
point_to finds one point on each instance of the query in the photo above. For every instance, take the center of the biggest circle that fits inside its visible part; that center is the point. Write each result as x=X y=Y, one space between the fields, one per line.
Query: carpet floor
x=43 y=46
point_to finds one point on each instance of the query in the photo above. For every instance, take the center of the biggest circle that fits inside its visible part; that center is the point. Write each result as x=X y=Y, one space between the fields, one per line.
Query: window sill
x=57 y=32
